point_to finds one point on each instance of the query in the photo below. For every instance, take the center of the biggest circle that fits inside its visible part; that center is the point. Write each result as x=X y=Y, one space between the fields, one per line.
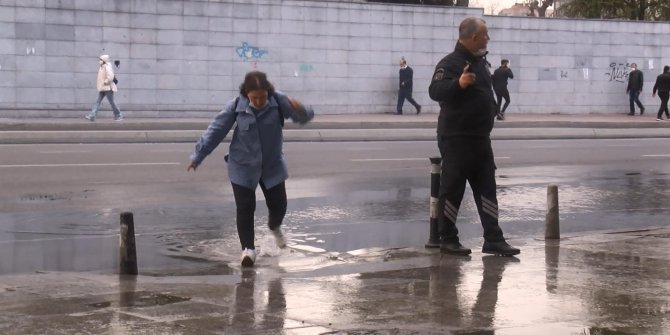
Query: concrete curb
x=321 y=135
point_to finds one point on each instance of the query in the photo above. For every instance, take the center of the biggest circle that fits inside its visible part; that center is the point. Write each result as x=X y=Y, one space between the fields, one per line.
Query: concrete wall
x=187 y=57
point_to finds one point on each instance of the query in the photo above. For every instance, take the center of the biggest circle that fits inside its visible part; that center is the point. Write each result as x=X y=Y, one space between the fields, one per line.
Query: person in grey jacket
x=256 y=156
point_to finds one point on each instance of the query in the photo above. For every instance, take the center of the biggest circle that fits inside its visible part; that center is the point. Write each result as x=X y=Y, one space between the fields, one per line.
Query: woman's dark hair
x=256 y=80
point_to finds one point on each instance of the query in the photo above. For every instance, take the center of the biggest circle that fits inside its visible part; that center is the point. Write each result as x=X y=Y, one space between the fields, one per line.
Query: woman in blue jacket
x=256 y=156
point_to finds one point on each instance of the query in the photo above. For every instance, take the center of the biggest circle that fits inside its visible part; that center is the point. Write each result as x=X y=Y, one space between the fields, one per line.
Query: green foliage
x=644 y=10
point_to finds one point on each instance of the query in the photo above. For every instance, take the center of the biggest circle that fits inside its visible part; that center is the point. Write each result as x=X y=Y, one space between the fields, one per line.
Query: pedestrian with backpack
x=106 y=86
x=255 y=157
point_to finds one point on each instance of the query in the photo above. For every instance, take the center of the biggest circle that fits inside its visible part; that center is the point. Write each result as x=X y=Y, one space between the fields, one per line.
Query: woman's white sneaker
x=248 y=257
x=280 y=240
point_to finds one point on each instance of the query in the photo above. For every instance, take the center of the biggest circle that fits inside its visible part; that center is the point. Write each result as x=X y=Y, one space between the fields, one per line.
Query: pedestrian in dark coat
x=462 y=85
x=406 y=77
x=663 y=87
x=500 y=76
x=634 y=88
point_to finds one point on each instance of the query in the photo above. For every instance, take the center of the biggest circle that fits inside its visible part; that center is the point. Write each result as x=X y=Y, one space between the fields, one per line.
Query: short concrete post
x=552 y=228
x=435 y=169
x=127 y=252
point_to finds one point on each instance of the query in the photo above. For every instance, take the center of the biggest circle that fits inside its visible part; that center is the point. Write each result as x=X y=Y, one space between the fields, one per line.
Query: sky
x=493 y=5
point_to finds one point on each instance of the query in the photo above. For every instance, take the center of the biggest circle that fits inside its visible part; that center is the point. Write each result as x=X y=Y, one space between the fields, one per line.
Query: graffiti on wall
x=303 y=68
x=250 y=53
x=619 y=72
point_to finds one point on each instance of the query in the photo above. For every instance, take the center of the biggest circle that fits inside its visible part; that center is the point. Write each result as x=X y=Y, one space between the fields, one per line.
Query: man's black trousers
x=500 y=95
x=467 y=159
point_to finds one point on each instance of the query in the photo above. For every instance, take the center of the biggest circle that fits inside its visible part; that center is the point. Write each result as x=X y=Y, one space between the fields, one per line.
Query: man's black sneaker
x=500 y=248
x=418 y=110
x=454 y=248
x=641 y=111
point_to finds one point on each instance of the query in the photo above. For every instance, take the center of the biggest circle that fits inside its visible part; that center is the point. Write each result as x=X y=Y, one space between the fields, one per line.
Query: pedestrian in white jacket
x=106 y=88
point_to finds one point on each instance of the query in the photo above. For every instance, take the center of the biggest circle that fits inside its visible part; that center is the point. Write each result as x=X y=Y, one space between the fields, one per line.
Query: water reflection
x=442 y=294
x=604 y=291
x=249 y=301
x=551 y=256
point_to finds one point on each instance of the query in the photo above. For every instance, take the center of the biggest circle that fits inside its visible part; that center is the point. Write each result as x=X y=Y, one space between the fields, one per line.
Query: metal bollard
x=127 y=251
x=551 y=228
x=435 y=169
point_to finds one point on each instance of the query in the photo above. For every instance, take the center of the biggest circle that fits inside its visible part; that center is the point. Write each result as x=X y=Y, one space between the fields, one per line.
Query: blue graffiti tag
x=306 y=68
x=247 y=52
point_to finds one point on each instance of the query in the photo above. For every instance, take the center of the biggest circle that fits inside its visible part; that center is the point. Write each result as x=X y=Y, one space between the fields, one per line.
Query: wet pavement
x=355 y=265
x=604 y=283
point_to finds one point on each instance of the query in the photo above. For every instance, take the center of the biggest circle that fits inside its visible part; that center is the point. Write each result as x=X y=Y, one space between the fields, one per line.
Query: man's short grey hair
x=469 y=27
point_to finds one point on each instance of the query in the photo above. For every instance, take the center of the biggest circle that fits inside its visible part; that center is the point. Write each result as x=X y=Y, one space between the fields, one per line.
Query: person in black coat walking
x=663 y=87
x=635 y=83
x=499 y=77
x=406 y=75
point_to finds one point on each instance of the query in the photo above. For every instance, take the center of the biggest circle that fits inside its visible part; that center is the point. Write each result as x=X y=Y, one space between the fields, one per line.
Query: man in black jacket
x=663 y=87
x=500 y=76
x=406 y=75
x=462 y=85
x=635 y=82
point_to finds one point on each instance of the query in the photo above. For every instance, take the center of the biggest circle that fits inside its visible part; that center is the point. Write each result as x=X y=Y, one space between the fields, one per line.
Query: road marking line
x=661 y=155
x=388 y=159
x=398 y=159
x=92 y=164
x=66 y=152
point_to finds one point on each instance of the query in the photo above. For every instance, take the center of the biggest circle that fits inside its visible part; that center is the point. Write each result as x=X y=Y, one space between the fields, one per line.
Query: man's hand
x=191 y=166
x=467 y=78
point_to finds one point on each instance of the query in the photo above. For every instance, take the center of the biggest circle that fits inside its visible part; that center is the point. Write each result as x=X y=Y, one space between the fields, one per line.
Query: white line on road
x=661 y=155
x=398 y=159
x=66 y=152
x=388 y=159
x=85 y=165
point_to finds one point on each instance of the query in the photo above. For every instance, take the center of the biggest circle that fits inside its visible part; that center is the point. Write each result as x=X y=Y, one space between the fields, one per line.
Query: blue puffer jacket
x=256 y=148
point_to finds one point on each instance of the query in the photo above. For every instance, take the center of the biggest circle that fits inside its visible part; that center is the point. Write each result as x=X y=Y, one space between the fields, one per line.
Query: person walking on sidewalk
x=634 y=88
x=406 y=77
x=106 y=86
x=663 y=87
x=462 y=85
x=256 y=156
x=500 y=76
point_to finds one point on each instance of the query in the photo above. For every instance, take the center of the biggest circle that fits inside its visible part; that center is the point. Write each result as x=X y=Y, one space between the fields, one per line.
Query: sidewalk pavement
x=599 y=283
x=354 y=127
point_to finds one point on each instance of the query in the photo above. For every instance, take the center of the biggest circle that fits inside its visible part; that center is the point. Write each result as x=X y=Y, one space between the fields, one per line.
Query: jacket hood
x=104 y=58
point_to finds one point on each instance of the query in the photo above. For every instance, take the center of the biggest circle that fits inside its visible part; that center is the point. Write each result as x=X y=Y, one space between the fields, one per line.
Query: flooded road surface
x=334 y=216
x=356 y=262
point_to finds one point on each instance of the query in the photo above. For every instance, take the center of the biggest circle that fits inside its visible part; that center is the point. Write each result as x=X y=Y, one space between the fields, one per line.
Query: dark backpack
x=281 y=115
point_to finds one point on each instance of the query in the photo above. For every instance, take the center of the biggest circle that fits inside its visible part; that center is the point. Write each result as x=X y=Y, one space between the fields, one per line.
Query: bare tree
x=651 y=10
x=541 y=10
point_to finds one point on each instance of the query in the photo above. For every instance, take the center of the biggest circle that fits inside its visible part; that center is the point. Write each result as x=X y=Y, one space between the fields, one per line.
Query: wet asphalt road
x=59 y=204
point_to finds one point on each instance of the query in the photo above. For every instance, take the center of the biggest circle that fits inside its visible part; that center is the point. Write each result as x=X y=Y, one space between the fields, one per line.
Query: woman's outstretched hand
x=191 y=166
